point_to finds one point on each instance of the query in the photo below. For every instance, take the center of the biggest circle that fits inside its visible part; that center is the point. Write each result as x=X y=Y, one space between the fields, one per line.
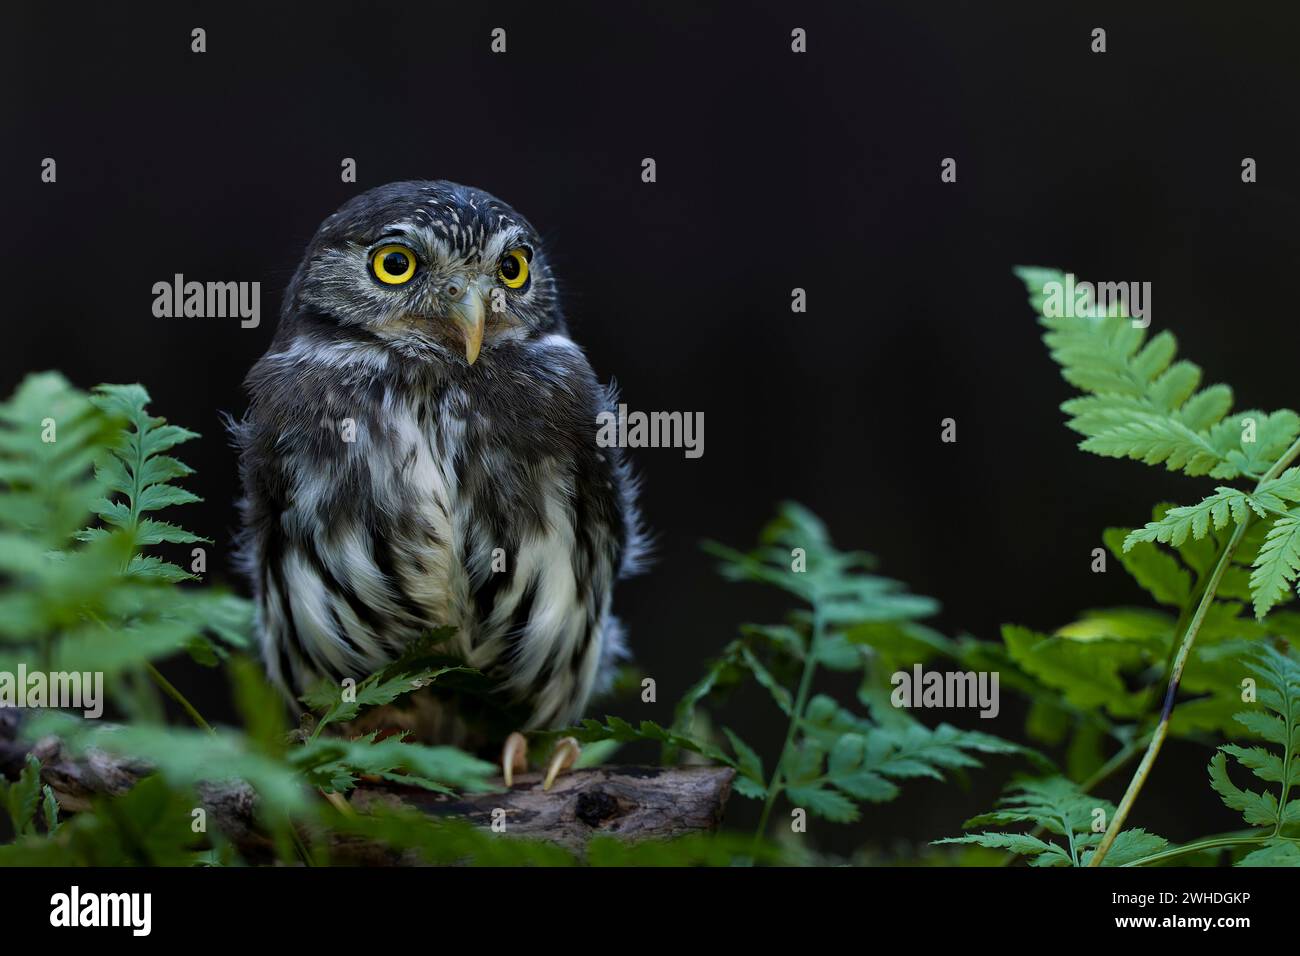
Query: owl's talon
x=564 y=756
x=514 y=756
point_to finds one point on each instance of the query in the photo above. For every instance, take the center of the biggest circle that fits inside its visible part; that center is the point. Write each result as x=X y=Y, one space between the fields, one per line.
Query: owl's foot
x=564 y=756
x=514 y=756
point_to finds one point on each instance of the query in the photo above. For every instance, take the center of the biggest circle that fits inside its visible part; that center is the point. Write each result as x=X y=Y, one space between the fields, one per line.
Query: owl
x=420 y=450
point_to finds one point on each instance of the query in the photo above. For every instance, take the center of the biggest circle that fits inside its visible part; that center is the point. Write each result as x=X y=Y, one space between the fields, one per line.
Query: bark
x=629 y=802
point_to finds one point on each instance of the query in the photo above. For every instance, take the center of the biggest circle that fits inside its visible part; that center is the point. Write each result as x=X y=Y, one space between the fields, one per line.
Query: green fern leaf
x=751 y=782
x=862 y=758
x=50 y=437
x=19 y=799
x=1156 y=439
x=822 y=802
x=334 y=763
x=1257 y=808
x=796 y=554
x=615 y=728
x=1226 y=505
x=1040 y=852
x=1159 y=573
x=1277 y=721
x=1250 y=441
x=187 y=758
x=139 y=473
x=1129 y=846
x=1088 y=672
x=1059 y=807
x=1277 y=852
x=1276 y=565
x=1141 y=403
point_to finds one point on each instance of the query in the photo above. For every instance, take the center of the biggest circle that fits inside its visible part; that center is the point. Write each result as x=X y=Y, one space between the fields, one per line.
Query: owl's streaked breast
x=425 y=519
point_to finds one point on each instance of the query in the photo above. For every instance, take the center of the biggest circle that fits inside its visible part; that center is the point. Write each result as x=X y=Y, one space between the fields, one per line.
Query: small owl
x=420 y=451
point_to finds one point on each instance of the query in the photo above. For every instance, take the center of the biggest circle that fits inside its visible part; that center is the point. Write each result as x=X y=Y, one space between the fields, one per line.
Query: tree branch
x=632 y=803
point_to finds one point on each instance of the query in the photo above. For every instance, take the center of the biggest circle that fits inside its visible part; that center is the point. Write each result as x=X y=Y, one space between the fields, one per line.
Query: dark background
x=775 y=170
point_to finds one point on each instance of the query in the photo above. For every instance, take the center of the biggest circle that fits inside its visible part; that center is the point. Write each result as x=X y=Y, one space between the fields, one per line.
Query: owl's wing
x=564 y=507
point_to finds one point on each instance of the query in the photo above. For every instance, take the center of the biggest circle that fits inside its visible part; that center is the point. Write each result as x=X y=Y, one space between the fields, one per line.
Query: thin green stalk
x=1069 y=839
x=1180 y=661
x=1210 y=843
x=1162 y=728
x=1122 y=756
x=176 y=695
x=1286 y=766
x=167 y=687
x=796 y=715
x=132 y=528
x=301 y=848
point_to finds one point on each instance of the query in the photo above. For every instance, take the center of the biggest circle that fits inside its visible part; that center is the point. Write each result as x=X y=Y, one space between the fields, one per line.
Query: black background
x=775 y=170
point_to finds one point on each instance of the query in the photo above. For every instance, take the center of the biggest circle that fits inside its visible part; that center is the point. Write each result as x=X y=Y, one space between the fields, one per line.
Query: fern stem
x=796 y=715
x=1122 y=756
x=1162 y=728
x=1209 y=844
x=1180 y=661
x=170 y=690
x=1286 y=764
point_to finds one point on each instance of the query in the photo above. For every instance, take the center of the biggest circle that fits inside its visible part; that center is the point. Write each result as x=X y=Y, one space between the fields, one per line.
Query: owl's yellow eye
x=514 y=269
x=393 y=265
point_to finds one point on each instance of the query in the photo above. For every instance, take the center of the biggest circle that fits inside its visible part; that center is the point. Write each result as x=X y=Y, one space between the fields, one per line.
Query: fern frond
x=50 y=436
x=1157 y=439
x=1224 y=506
x=833 y=759
x=1250 y=441
x=1141 y=403
x=1277 y=564
x=64 y=599
x=1158 y=572
x=139 y=473
x=1059 y=807
x=861 y=758
x=1277 y=722
x=421 y=664
x=1086 y=672
x=797 y=555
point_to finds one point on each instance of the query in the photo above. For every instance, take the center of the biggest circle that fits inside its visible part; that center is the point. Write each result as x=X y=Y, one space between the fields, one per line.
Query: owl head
x=432 y=269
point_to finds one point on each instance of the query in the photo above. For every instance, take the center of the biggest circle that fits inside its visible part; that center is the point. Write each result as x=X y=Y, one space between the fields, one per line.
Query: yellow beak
x=469 y=312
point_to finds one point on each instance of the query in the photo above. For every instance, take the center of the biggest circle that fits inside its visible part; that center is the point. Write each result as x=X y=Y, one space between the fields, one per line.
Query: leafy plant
x=20 y=800
x=1279 y=816
x=1057 y=806
x=140 y=477
x=85 y=598
x=832 y=760
x=1139 y=402
x=87 y=481
x=419 y=666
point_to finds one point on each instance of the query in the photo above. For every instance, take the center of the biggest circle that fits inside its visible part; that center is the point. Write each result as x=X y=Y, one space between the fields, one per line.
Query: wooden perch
x=633 y=803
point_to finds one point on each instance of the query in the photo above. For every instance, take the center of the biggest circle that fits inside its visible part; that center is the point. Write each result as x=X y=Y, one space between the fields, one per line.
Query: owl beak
x=469 y=313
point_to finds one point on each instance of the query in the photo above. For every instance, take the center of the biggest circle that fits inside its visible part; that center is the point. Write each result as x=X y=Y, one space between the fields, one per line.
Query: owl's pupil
x=395 y=263
x=510 y=267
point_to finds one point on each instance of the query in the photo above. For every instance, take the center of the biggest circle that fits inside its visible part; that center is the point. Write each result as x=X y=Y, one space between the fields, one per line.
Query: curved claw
x=514 y=756
x=563 y=757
